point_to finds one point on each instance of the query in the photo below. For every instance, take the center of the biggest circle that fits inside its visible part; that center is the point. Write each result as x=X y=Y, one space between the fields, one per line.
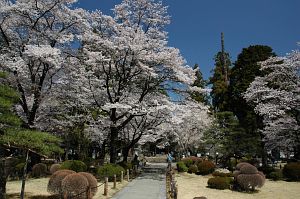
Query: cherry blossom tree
x=126 y=62
x=187 y=124
x=276 y=98
x=37 y=37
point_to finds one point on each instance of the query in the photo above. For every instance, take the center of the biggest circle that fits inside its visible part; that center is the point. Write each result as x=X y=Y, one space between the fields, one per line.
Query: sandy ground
x=39 y=187
x=191 y=185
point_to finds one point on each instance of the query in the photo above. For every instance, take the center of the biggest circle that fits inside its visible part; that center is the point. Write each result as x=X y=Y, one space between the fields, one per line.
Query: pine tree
x=13 y=136
x=219 y=80
x=245 y=69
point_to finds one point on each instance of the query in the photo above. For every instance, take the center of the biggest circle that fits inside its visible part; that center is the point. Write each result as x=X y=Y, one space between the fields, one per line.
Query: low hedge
x=181 y=167
x=220 y=174
x=109 y=170
x=276 y=175
x=219 y=182
x=292 y=171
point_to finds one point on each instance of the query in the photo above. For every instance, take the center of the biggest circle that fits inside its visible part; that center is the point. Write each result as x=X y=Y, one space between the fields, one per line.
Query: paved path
x=147 y=186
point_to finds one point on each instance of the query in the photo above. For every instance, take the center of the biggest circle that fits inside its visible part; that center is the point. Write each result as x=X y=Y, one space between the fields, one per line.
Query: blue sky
x=197 y=24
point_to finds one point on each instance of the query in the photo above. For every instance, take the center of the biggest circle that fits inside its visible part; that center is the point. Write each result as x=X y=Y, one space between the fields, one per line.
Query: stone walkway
x=150 y=185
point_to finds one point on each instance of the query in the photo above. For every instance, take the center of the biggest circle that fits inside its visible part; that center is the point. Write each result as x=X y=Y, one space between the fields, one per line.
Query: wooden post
x=24 y=176
x=106 y=186
x=122 y=176
x=128 y=175
x=115 y=181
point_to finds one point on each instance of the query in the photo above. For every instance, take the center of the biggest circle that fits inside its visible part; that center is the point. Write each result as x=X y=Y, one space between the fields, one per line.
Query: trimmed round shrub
x=292 y=171
x=54 y=184
x=92 y=182
x=248 y=169
x=248 y=177
x=196 y=159
x=181 y=167
x=276 y=175
x=74 y=184
x=54 y=168
x=74 y=165
x=109 y=170
x=250 y=181
x=219 y=182
x=193 y=169
x=241 y=164
x=205 y=167
x=39 y=170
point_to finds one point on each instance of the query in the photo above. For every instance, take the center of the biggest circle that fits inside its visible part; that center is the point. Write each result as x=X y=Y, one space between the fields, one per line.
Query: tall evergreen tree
x=219 y=80
x=245 y=69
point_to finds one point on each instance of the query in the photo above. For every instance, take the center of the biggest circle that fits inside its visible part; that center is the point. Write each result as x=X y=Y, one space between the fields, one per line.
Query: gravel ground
x=191 y=185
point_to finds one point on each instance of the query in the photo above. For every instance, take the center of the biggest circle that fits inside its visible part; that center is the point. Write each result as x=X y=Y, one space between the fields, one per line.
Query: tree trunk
x=113 y=145
x=24 y=176
x=125 y=153
x=2 y=179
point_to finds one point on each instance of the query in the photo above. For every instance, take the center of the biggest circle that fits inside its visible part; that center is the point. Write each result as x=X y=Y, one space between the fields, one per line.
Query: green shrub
x=109 y=170
x=181 y=167
x=292 y=171
x=39 y=170
x=267 y=170
x=193 y=169
x=187 y=161
x=220 y=174
x=276 y=175
x=220 y=182
x=126 y=165
x=205 y=167
x=74 y=165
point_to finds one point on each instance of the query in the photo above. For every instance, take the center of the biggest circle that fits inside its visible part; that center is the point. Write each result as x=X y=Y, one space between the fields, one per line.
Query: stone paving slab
x=146 y=186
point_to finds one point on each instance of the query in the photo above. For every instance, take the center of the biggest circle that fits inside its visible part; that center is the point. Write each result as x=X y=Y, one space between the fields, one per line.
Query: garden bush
x=74 y=165
x=75 y=184
x=54 y=168
x=92 y=182
x=109 y=170
x=205 y=167
x=292 y=171
x=126 y=165
x=276 y=175
x=54 y=184
x=221 y=174
x=187 y=161
x=267 y=170
x=193 y=169
x=181 y=167
x=39 y=170
x=247 y=177
x=220 y=182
